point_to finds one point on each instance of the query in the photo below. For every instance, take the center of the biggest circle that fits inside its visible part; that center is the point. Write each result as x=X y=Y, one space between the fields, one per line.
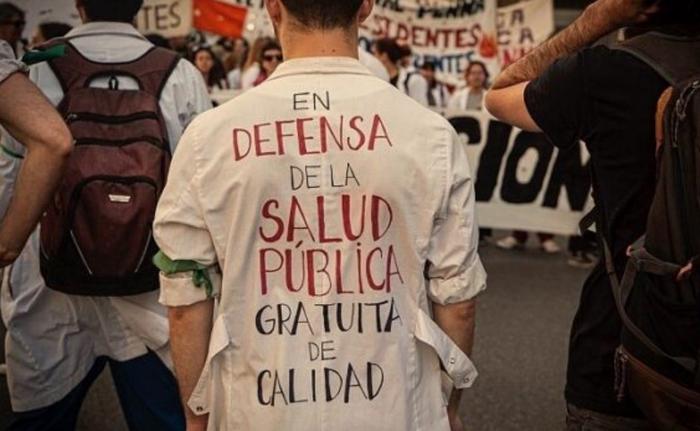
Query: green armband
x=200 y=273
x=35 y=57
x=11 y=153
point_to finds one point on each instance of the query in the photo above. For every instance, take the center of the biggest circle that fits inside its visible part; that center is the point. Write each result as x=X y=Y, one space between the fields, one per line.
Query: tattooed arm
x=506 y=99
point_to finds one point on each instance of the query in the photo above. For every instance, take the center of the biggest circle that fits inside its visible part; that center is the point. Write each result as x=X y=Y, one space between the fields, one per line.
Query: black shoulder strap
x=409 y=76
x=675 y=58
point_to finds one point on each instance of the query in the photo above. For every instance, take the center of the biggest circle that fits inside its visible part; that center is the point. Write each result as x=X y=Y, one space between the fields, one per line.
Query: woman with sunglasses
x=270 y=58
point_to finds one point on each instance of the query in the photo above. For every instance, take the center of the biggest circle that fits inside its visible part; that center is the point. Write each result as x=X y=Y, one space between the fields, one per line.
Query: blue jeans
x=147 y=392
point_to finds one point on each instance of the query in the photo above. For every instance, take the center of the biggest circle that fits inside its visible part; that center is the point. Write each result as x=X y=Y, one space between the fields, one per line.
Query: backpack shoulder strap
x=675 y=58
x=152 y=70
x=407 y=81
x=71 y=69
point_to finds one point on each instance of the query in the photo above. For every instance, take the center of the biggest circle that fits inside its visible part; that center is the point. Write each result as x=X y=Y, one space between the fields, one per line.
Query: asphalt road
x=522 y=335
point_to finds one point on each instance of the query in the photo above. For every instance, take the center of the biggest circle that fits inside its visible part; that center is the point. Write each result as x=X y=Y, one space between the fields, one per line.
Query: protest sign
x=522 y=26
x=521 y=180
x=450 y=33
x=169 y=18
x=257 y=22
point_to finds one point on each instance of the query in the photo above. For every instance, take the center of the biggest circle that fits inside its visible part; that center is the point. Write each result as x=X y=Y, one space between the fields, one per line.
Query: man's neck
x=331 y=43
x=476 y=89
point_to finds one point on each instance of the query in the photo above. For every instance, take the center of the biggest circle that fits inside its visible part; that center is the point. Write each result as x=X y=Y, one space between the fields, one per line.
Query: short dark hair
x=429 y=65
x=9 y=10
x=323 y=14
x=52 y=30
x=112 y=10
x=389 y=47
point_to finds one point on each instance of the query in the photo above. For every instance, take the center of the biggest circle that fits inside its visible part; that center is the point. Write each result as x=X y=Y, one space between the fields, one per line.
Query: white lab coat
x=306 y=233
x=53 y=339
x=412 y=84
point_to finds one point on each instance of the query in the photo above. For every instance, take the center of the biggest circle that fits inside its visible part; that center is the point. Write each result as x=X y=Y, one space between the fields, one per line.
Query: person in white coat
x=319 y=252
x=57 y=344
x=407 y=79
x=471 y=97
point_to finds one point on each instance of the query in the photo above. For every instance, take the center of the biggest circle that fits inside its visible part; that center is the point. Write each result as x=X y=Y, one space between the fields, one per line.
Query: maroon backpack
x=96 y=236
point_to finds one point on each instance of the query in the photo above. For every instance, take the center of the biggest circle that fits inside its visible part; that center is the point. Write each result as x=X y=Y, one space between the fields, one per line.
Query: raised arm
x=30 y=118
x=506 y=99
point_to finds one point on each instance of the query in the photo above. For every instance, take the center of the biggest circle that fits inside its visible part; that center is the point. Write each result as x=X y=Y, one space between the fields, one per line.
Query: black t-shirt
x=607 y=98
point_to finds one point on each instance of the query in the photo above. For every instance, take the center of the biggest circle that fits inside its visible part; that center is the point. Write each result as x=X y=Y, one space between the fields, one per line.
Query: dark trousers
x=586 y=420
x=522 y=236
x=147 y=392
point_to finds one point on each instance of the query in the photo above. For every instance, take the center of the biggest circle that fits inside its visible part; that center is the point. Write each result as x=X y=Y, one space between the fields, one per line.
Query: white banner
x=169 y=18
x=449 y=32
x=521 y=180
x=522 y=26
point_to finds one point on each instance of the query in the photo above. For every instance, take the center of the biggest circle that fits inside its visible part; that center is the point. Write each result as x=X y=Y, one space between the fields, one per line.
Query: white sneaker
x=510 y=243
x=550 y=247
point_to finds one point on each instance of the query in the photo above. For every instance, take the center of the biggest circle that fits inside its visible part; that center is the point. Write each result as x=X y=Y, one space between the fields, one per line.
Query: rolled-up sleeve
x=8 y=63
x=455 y=272
x=181 y=232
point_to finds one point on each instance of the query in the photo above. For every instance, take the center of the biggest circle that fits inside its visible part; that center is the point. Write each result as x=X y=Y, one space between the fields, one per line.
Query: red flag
x=220 y=18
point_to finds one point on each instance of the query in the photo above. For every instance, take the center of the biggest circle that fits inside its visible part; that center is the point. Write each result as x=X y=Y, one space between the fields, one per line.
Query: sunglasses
x=17 y=24
x=277 y=57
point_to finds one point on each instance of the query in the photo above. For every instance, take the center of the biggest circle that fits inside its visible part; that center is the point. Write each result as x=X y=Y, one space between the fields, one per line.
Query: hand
x=455 y=422
x=7 y=257
x=197 y=423
x=623 y=13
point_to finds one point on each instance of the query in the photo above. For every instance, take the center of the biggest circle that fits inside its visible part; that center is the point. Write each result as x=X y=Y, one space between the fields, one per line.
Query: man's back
x=322 y=204
x=608 y=99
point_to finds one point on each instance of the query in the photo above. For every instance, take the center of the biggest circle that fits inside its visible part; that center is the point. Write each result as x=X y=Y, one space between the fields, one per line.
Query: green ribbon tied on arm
x=40 y=56
x=11 y=153
x=200 y=273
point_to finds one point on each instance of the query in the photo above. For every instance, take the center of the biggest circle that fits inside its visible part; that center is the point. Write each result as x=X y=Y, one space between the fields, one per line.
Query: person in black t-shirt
x=608 y=99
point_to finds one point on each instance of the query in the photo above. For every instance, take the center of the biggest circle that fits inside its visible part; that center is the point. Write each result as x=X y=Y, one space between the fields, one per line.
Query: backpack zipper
x=682 y=108
x=72 y=117
x=120 y=142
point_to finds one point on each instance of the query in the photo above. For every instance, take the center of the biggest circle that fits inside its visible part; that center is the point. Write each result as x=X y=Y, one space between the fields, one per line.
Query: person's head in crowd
x=123 y=11
x=270 y=58
x=12 y=24
x=158 y=40
x=49 y=30
x=210 y=67
x=389 y=53
x=255 y=50
x=318 y=27
x=477 y=76
x=406 y=60
x=238 y=55
x=428 y=69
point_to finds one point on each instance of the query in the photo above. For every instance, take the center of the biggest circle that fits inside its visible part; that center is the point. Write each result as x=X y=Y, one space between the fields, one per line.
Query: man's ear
x=365 y=10
x=274 y=9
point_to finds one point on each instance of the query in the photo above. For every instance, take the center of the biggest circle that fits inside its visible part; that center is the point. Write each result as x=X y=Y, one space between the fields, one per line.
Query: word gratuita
x=284 y=319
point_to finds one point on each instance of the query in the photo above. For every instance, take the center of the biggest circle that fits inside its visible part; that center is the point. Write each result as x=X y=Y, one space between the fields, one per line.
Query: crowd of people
x=265 y=255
